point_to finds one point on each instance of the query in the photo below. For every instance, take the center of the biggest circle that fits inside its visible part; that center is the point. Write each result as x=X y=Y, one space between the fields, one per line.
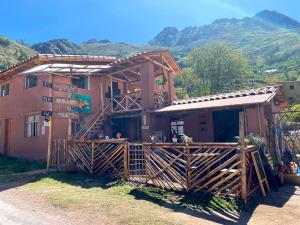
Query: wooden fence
x=100 y=157
x=213 y=168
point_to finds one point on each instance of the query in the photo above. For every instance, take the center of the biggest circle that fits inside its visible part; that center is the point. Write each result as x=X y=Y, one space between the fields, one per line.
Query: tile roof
x=238 y=98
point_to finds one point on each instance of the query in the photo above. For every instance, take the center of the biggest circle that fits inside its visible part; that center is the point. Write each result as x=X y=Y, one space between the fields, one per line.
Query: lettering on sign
x=66 y=115
x=66 y=101
x=64 y=87
x=46 y=113
x=47 y=99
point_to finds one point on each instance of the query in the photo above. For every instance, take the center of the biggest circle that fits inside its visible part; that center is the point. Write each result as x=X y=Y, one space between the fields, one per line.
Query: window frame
x=34 y=129
x=28 y=85
x=7 y=89
x=85 y=77
x=177 y=123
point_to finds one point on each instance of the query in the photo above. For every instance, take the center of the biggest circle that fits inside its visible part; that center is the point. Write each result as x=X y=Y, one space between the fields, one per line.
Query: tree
x=214 y=69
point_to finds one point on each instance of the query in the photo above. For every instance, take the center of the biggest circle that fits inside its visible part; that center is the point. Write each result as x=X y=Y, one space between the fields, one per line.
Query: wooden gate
x=136 y=162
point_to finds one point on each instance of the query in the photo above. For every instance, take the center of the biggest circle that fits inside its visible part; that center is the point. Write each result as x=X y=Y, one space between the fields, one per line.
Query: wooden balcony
x=127 y=103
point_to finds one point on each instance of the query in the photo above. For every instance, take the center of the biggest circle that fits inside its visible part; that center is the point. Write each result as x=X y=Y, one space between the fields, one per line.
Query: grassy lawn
x=120 y=201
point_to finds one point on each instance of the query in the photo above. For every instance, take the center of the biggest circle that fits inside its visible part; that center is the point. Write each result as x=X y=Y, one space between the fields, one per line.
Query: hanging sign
x=47 y=113
x=47 y=121
x=47 y=99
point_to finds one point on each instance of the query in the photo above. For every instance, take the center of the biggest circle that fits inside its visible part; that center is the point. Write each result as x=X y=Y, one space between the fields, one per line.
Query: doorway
x=226 y=125
x=7 y=136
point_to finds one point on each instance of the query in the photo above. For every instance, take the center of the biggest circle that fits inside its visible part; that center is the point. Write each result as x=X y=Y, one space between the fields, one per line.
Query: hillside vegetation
x=12 y=52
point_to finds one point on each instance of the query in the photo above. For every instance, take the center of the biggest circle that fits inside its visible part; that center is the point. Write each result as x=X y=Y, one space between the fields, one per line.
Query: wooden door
x=7 y=136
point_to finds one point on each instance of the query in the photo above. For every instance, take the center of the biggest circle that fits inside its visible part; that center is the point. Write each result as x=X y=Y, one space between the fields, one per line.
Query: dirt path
x=20 y=207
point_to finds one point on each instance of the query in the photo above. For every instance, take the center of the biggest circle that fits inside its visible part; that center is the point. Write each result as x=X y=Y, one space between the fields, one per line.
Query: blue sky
x=132 y=21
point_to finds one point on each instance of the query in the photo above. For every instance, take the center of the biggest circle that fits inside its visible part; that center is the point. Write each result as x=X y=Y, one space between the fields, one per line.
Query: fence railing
x=205 y=167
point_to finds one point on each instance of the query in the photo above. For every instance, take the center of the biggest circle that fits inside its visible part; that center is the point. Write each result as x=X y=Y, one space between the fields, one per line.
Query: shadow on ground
x=205 y=206
x=215 y=209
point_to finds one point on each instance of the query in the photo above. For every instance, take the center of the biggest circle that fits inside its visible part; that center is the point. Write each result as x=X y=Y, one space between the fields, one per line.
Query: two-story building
x=85 y=94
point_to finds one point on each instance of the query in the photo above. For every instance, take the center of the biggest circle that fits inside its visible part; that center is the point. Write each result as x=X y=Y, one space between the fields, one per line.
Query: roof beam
x=157 y=63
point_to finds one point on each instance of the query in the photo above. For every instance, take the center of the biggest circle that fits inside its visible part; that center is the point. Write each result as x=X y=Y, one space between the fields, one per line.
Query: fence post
x=93 y=158
x=188 y=169
x=244 y=194
x=126 y=161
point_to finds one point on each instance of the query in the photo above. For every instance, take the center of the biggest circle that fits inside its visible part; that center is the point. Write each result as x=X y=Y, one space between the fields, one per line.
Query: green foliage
x=214 y=69
x=12 y=52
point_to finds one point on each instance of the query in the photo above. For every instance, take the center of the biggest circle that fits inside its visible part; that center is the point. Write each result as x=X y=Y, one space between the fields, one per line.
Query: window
x=30 y=81
x=292 y=87
x=4 y=90
x=32 y=125
x=177 y=127
x=75 y=127
x=81 y=81
x=291 y=100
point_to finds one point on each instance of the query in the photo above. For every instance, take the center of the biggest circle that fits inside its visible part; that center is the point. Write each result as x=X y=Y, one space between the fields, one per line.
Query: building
x=91 y=96
x=291 y=90
x=80 y=92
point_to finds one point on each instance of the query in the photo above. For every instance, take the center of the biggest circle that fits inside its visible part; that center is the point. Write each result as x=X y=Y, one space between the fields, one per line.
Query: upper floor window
x=4 y=90
x=32 y=125
x=81 y=81
x=30 y=81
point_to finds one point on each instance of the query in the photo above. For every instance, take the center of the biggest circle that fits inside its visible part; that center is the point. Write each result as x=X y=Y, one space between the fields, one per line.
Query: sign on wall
x=84 y=103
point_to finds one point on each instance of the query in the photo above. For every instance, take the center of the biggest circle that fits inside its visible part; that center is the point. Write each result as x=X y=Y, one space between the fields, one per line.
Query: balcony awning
x=66 y=68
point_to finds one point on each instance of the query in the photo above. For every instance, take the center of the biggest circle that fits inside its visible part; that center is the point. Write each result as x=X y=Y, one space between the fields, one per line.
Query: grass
x=118 y=201
x=11 y=165
x=11 y=169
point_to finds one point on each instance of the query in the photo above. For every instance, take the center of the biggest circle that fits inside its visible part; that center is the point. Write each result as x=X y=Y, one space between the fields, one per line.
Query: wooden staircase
x=92 y=127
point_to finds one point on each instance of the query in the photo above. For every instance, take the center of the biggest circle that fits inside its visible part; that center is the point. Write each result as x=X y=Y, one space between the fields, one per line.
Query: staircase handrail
x=92 y=121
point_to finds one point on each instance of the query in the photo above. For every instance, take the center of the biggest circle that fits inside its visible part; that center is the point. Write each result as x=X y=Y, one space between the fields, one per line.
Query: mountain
x=90 y=47
x=12 y=52
x=277 y=19
x=269 y=37
x=57 y=46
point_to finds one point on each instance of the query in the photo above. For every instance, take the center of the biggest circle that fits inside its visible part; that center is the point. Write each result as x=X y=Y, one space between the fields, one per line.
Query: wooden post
x=126 y=161
x=244 y=194
x=188 y=169
x=49 y=151
x=93 y=158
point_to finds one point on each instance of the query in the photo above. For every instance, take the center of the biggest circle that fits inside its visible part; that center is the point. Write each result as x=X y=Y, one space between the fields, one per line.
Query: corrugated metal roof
x=239 y=98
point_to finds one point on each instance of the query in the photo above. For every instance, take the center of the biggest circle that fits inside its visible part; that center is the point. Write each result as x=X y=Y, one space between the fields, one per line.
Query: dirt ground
x=19 y=205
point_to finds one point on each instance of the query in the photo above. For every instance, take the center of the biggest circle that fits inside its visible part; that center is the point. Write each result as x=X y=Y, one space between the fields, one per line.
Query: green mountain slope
x=12 y=52
x=269 y=37
x=91 y=47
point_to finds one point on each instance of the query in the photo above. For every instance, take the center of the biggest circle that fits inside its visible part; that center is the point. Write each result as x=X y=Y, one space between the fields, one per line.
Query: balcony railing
x=126 y=103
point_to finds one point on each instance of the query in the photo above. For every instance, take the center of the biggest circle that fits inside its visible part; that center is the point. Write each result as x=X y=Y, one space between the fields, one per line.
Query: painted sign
x=84 y=103
x=60 y=86
x=66 y=101
x=64 y=87
x=67 y=115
